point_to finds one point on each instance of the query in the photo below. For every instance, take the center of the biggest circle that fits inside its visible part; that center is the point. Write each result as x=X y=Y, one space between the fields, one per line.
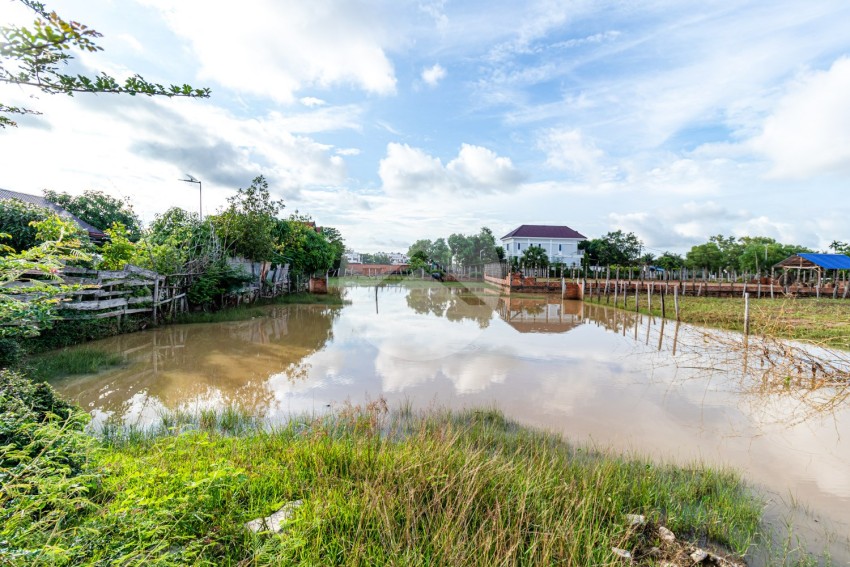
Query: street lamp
x=191 y=179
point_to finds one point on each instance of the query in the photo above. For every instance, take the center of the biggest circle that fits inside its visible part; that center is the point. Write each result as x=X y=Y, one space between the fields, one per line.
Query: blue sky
x=397 y=120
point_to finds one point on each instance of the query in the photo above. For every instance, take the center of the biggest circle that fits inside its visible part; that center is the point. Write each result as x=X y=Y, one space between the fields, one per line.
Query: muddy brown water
x=595 y=374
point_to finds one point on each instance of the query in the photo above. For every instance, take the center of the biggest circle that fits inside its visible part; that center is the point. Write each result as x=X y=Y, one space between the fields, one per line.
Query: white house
x=398 y=258
x=559 y=242
x=352 y=257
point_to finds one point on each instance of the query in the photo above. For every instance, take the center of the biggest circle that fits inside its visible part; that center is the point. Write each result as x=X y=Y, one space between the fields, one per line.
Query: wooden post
x=649 y=297
x=663 y=311
x=625 y=293
x=637 y=297
x=616 y=292
x=155 y=296
x=746 y=314
x=676 y=301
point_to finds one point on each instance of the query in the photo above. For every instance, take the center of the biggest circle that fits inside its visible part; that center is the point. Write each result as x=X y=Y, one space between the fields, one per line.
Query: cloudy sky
x=400 y=120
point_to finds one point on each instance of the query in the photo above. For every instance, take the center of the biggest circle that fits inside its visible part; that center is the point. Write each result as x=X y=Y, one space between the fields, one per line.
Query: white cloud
x=475 y=170
x=311 y=101
x=434 y=74
x=274 y=49
x=567 y=150
x=809 y=131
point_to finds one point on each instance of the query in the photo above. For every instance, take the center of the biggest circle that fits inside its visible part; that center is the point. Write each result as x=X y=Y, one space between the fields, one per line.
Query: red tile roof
x=543 y=231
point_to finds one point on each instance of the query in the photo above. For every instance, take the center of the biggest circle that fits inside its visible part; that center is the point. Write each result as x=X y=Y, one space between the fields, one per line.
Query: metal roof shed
x=815 y=262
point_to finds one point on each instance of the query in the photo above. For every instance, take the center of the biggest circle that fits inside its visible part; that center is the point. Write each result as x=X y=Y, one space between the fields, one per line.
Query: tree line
x=463 y=251
x=752 y=254
x=35 y=240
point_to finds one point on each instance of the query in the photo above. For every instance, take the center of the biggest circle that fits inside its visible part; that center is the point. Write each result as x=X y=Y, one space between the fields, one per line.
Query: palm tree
x=534 y=257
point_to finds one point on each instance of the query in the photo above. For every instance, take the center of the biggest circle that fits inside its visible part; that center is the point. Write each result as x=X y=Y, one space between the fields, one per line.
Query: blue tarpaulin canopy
x=811 y=261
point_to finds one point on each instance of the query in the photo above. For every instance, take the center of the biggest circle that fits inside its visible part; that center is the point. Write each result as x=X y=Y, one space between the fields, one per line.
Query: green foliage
x=47 y=479
x=669 y=261
x=16 y=218
x=61 y=245
x=177 y=242
x=467 y=250
x=534 y=257
x=438 y=488
x=70 y=362
x=614 y=249
x=118 y=251
x=214 y=282
x=747 y=254
x=299 y=245
x=334 y=238
x=246 y=227
x=32 y=57
x=99 y=210
x=707 y=256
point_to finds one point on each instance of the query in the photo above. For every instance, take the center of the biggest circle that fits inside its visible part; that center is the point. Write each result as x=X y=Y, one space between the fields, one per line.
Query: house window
x=559 y=247
x=518 y=245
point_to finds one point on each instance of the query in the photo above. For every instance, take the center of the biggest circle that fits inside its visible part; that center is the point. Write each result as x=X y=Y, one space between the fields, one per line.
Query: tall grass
x=71 y=362
x=419 y=489
x=258 y=309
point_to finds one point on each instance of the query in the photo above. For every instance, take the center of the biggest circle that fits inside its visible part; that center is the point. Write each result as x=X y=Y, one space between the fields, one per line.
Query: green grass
x=68 y=362
x=822 y=321
x=258 y=309
x=438 y=488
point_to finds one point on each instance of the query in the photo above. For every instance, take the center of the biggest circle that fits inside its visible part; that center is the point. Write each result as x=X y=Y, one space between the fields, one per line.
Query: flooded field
x=595 y=374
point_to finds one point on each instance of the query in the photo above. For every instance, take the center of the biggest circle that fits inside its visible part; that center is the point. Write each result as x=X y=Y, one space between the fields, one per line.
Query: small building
x=353 y=257
x=397 y=258
x=94 y=233
x=559 y=242
x=816 y=264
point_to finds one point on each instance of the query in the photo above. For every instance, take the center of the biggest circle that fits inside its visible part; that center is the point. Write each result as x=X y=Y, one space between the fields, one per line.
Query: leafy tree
x=422 y=245
x=32 y=57
x=118 y=251
x=60 y=244
x=730 y=251
x=16 y=221
x=705 y=256
x=760 y=253
x=246 y=227
x=440 y=252
x=298 y=244
x=177 y=241
x=840 y=247
x=670 y=261
x=99 y=210
x=419 y=260
x=334 y=237
x=534 y=257
x=614 y=249
x=376 y=258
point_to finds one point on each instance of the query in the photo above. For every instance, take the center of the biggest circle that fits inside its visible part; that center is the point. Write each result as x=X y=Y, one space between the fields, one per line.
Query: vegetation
x=32 y=57
x=465 y=250
x=99 y=210
x=613 y=249
x=438 y=488
x=745 y=254
x=70 y=362
x=821 y=321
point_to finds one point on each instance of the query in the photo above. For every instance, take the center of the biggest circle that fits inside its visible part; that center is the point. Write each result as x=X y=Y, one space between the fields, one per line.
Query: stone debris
x=621 y=553
x=699 y=555
x=636 y=519
x=666 y=535
x=273 y=523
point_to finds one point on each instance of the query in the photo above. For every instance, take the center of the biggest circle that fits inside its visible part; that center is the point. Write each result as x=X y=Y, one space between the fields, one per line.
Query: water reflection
x=204 y=365
x=614 y=377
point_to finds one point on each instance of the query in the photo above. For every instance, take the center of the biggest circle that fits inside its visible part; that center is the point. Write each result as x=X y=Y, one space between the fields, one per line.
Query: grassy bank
x=377 y=488
x=822 y=321
x=70 y=362
x=258 y=309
